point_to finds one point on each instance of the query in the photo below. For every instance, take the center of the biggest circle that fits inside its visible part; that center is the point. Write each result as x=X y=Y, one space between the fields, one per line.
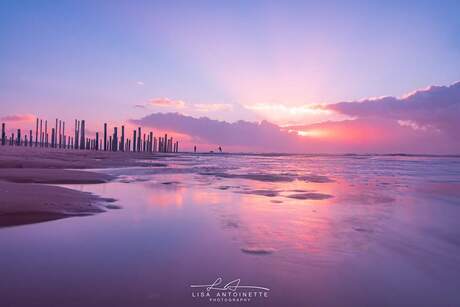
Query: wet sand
x=326 y=231
x=28 y=177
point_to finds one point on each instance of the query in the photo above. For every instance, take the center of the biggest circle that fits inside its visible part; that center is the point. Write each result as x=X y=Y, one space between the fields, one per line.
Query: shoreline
x=28 y=179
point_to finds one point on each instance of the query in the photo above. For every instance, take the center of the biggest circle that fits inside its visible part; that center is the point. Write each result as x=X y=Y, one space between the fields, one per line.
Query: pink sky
x=423 y=121
x=301 y=75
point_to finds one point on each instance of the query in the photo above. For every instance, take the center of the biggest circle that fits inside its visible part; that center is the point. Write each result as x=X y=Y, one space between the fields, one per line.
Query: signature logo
x=231 y=292
x=234 y=285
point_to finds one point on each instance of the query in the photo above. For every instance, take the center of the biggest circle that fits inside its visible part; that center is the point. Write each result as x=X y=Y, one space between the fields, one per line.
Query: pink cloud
x=376 y=135
x=262 y=136
x=436 y=107
x=365 y=135
x=212 y=107
x=18 y=118
x=425 y=121
x=166 y=102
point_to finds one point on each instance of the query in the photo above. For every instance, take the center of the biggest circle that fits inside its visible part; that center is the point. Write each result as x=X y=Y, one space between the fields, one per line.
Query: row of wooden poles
x=145 y=142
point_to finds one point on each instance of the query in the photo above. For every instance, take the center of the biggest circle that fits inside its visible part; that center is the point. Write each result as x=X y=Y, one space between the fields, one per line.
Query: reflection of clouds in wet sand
x=381 y=228
x=323 y=234
x=295 y=215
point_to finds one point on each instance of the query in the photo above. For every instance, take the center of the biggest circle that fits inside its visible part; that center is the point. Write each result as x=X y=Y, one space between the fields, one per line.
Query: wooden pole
x=97 y=141
x=46 y=133
x=139 y=136
x=151 y=142
x=60 y=134
x=122 y=142
x=115 y=139
x=143 y=143
x=18 y=140
x=55 y=132
x=134 y=140
x=53 y=136
x=41 y=133
x=36 y=134
x=105 y=136
x=3 y=134
x=83 y=139
x=75 y=138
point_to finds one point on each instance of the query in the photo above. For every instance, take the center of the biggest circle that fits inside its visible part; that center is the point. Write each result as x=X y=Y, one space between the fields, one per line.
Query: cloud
x=262 y=136
x=18 y=118
x=423 y=122
x=212 y=107
x=290 y=114
x=140 y=83
x=166 y=102
x=198 y=107
x=436 y=107
x=290 y=110
x=364 y=135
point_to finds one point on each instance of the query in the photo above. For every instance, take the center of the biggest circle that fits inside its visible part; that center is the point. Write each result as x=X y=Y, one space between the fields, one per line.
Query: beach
x=315 y=230
x=29 y=179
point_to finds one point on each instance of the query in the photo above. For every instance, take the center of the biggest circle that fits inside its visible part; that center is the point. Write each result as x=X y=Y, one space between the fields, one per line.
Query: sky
x=286 y=66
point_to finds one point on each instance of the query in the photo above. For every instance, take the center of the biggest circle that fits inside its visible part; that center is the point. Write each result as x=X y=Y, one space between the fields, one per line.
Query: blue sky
x=98 y=59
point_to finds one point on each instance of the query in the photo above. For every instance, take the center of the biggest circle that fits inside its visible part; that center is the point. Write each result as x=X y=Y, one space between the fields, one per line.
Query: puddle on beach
x=315 y=230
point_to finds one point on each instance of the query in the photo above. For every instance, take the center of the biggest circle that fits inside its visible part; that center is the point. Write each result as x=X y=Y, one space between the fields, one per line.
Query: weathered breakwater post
x=53 y=138
x=77 y=134
x=105 y=136
x=122 y=141
x=143 y=144
x=60 y=134
x=36 y=133
x=151 y=142
x=97 y=141
x=63 y=134
x=83 y=139
x=3 y=134
x=115 y=139
x=134 y=140
x=41 y=133
x=54 y=141
x=46 y=133
x=18 y=140
x=139 y=139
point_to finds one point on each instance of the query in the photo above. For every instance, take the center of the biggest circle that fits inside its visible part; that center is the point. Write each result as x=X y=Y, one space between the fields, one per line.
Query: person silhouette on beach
x=194 y=149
